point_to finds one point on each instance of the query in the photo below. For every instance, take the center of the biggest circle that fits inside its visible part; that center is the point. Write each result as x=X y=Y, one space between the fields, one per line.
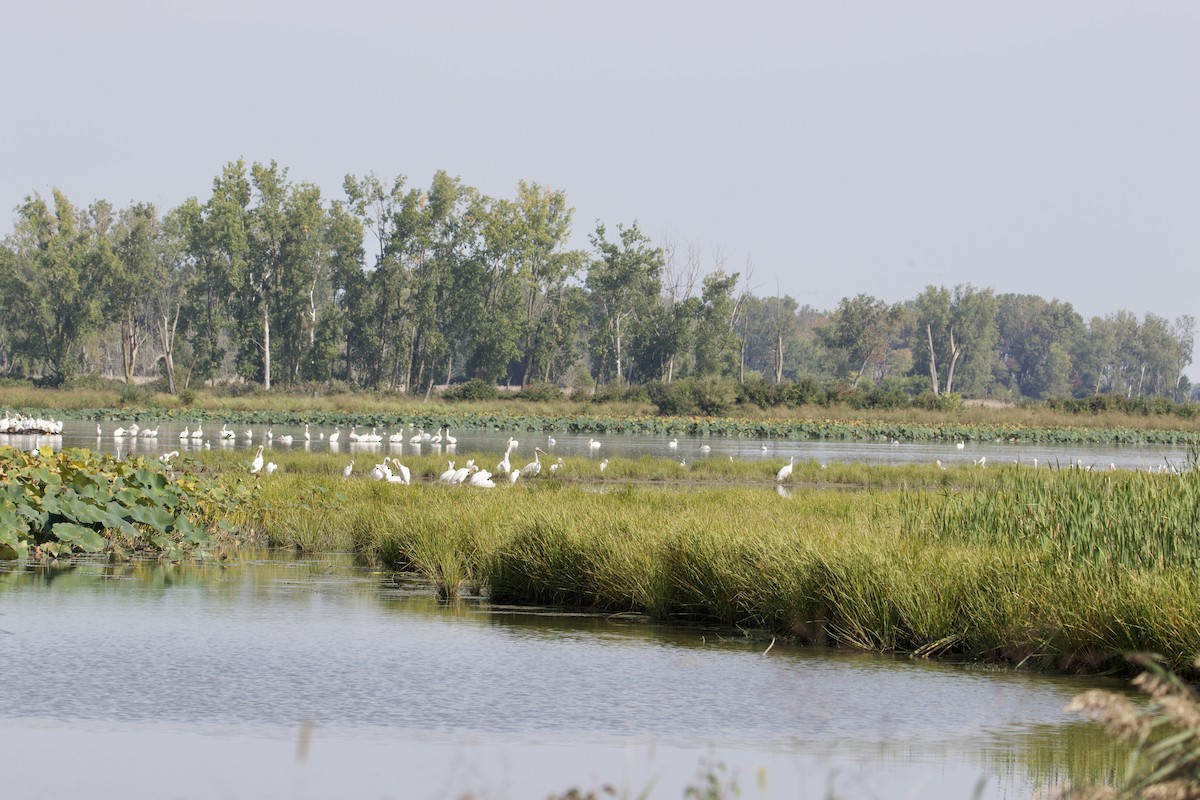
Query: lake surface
x=278 y=677
x=78 y=433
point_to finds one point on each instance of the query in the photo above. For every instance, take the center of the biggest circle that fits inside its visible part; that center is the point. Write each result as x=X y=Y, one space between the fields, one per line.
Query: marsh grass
x=866 y=561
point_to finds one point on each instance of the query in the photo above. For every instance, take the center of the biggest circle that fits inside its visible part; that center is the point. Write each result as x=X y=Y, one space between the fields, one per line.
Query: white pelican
x=286 y=439
x=198 y=433
x=119 y=433
x=271 y=467
x=704 y=448
x=506 y=465
x=593 y=444
x=436 y=438
x=416 y=437
x=673 y=444
x=604 y=465
x=402 y=474
x=550 y=441
x=133 y=429
x=166 y=457
x=961 y=445
x=785 y=470
x=448 y=475
x=349 y=468
x=555 y=467
x=533 y=468
x=397 y=438
x=248 y=435
x=333 y=437
x=183 y=434
x=448 y=439
x=257 y=463
x=307 y=435
x=483 y=479
x=98 y=431
x=512 y=477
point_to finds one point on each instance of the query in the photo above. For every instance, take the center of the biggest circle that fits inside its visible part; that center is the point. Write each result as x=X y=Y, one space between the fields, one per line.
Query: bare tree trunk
x=166 y=336
x=778 y=357
x=955 y=352
x=933 y=376
x=266 y=345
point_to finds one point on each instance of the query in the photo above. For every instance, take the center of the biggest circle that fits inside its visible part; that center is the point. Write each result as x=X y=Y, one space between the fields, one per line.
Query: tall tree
x=623 y=279
x=56 y=280
x=858 y=332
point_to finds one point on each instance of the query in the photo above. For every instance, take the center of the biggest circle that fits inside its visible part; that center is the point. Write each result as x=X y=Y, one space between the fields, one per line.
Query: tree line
x=403 y=288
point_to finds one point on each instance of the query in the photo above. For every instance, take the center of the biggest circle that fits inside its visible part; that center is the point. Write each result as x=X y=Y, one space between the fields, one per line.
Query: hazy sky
x=1050 y=148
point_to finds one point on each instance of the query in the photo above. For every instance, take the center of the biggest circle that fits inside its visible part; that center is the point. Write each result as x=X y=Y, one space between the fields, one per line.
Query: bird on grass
x=271 y=467
x=603 y=465
x=785 y=470
x=349 y=468
x=257 y=463
x=533 y=468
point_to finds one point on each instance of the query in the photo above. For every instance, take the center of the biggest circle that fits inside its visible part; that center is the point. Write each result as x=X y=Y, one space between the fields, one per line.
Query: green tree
x=1038 y=341
x=56 y=280
x=624 y=280
x=857 y=335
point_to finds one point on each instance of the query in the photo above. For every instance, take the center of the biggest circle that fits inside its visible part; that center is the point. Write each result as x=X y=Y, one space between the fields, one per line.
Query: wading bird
x=786 y=469
x=533 y=468
x=349 y=468
x=257 y=463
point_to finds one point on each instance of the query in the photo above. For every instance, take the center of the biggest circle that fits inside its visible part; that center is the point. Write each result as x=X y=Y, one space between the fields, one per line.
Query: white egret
x=786 y=469
x=349 y=468
x=98 y=431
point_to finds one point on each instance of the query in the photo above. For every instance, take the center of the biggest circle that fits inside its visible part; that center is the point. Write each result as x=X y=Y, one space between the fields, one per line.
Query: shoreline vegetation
x=1059 y=569
x=1023 y=424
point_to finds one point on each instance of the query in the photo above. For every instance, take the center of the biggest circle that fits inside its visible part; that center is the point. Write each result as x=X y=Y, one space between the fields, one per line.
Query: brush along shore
x=1051 y=569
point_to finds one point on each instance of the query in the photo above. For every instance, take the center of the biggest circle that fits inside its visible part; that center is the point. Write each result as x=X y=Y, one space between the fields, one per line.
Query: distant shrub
x=474 y=389
x=540 y=392
x=187 y=397
x=676 y=399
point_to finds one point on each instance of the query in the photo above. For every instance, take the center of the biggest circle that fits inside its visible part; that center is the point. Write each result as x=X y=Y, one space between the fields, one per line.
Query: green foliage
x=474 y=389
x=57 y=504
x=538 y=392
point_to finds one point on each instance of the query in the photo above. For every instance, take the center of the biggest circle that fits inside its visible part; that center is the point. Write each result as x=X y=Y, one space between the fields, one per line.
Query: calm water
x=313 y=678
x=83 y=434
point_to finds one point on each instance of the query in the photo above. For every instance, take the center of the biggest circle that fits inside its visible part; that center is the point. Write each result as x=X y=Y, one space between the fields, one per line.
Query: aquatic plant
x=75 y=501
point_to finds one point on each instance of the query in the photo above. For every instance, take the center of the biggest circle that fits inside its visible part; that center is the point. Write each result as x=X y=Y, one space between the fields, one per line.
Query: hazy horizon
x=841 y=149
